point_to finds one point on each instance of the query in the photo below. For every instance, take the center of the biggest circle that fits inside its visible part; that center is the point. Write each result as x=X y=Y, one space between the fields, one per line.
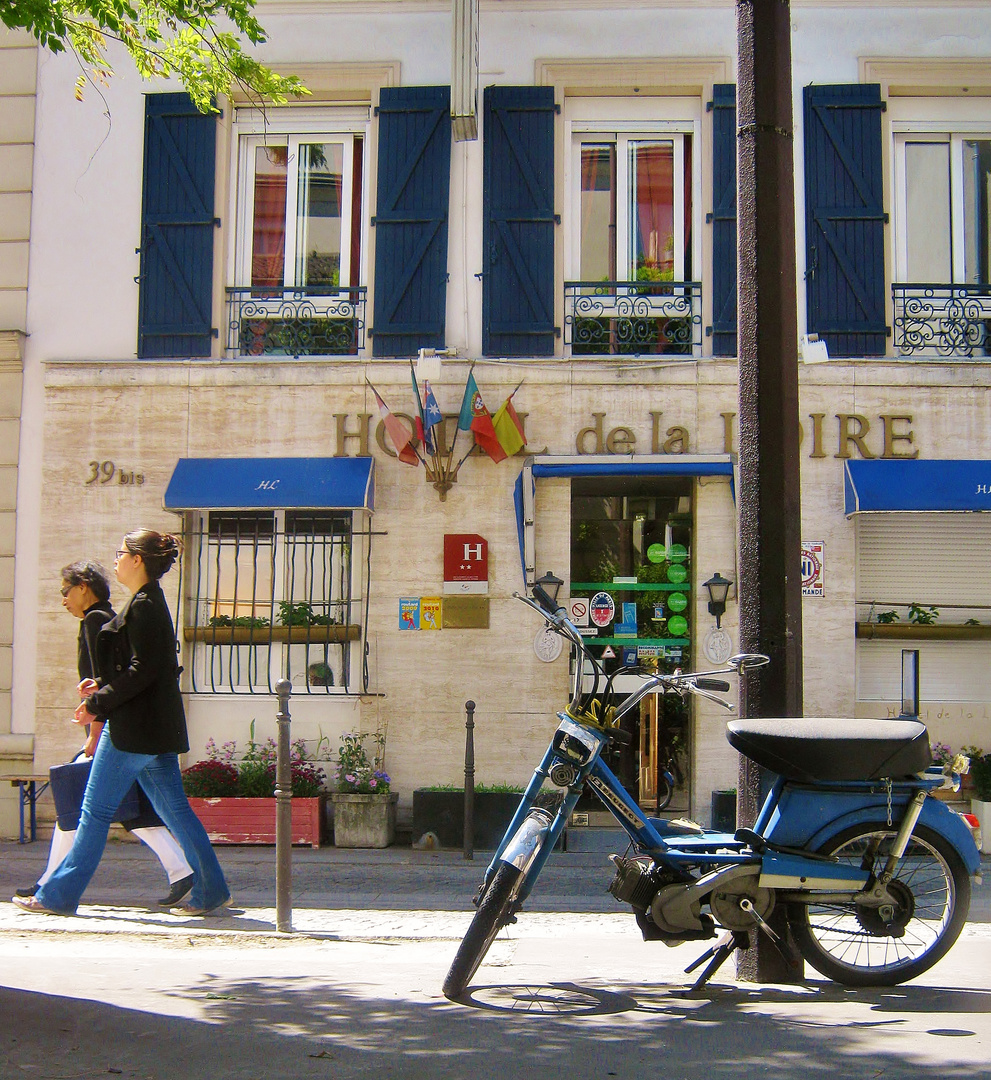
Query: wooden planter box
x=917 y=632
x=364 y=821
x=262 y=635
x=252 y=821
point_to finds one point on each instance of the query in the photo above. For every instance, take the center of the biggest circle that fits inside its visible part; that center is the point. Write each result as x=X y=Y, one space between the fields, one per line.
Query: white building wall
x=86 y=398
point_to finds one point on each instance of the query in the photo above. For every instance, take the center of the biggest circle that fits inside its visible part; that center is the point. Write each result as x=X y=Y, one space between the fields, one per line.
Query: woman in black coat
x=86 y=596
x=137 y=693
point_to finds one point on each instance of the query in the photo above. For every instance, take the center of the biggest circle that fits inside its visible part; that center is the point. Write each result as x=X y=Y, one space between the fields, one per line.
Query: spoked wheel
x=494 y=911
x=862 y=946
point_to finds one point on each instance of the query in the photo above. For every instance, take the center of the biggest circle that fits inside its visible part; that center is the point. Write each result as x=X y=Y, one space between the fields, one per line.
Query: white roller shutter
x=930 y=559
x=934 y=560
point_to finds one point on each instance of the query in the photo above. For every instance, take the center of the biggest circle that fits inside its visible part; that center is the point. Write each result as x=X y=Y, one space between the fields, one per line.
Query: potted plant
x=234 y=796
x=320 y=674
x=364 y=806
x=980 y=803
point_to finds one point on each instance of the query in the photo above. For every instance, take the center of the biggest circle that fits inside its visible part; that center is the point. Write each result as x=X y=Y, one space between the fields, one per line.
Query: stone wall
x=18 y=58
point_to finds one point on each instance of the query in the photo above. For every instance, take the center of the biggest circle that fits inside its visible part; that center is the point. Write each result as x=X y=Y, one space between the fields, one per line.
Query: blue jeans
x=112 y=774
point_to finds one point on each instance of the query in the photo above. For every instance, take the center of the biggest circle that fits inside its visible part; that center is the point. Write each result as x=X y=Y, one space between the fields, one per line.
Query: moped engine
x=638 y=882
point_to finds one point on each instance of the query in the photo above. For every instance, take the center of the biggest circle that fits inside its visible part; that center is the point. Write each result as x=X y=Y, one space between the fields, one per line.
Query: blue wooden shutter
x=414 y=182
x=723 y=108
x=175 y=295
x=518 y=223
x=844 y=218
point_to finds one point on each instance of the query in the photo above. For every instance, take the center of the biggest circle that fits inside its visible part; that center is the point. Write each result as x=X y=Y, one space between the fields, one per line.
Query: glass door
x=631 y=552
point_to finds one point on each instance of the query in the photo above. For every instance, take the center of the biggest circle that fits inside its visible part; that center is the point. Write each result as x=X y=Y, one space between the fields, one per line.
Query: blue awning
x=907 y=485
x=603 y=465
x=344 y=483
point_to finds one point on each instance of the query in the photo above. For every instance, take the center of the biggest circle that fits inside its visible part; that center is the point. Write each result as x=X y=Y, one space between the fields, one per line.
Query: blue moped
x=873 y=874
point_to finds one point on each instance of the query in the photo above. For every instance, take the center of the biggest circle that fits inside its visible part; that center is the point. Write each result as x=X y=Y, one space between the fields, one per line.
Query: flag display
x=432 y=416
x=474 y=417
x=422 y=430
x=509 y=428
x=400 y=434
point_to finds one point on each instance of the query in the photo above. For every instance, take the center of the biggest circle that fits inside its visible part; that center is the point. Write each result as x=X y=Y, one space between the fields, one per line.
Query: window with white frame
x=298 y=259
x=942 y=190
x=634 y=199
x=269 y=596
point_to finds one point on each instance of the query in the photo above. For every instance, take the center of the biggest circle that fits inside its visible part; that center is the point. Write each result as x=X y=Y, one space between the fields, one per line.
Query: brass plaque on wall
x=466 y=613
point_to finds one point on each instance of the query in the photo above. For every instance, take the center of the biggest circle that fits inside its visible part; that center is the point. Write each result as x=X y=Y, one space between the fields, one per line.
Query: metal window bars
x=296 y=321
x=268 y=596
x=633 y=318
x=943 y=320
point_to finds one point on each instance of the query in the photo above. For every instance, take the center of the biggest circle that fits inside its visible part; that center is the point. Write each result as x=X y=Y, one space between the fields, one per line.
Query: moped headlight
x=570 y=749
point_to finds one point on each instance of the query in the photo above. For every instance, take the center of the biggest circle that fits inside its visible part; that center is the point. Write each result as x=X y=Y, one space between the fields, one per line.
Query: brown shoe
x=189 y=910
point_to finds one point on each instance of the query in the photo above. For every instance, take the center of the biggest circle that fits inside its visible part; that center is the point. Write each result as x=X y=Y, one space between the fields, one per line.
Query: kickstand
x=717 y=955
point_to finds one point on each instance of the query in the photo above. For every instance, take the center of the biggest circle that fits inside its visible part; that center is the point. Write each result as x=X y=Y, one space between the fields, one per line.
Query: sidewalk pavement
x=570 y=992
x=395 y=892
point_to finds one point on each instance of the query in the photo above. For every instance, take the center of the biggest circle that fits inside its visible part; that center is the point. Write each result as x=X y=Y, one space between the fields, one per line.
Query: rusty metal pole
x=770 y=593
x=469 y=831
x=283 y=813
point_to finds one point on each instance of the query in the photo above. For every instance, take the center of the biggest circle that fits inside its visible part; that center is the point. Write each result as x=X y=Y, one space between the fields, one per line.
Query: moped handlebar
x=701 y=684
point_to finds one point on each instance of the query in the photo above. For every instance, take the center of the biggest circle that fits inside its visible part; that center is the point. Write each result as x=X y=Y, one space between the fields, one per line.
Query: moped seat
x=811 y=749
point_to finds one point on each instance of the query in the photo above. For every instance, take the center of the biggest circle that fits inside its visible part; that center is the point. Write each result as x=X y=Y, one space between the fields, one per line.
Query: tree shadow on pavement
x=309 y=1026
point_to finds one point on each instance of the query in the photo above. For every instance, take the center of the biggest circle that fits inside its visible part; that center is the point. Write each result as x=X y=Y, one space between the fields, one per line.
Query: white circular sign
x=547 y=645
x=717 y=646
x=602 y=609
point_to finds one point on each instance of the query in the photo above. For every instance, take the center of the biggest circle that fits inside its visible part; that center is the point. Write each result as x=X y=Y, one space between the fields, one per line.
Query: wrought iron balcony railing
x=633 y=318
x=942 y=320
x=309 y=321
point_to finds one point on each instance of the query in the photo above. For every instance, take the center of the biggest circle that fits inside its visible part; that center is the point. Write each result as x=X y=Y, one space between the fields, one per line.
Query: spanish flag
x=508 y=427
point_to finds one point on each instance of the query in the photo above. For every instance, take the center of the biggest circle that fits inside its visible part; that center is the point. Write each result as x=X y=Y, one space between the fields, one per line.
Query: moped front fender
x=524 y=847
x=936 y=815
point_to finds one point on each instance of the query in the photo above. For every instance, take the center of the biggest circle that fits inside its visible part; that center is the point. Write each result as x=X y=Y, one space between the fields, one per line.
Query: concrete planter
x=252 y=821
x=364 y=821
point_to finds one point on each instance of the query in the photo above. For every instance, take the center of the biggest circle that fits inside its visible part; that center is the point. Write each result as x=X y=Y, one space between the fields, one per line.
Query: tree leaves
x=200 y=42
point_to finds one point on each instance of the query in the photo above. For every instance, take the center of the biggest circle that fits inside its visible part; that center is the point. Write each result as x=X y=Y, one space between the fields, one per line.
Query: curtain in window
x=268 y=236
x=652 y=254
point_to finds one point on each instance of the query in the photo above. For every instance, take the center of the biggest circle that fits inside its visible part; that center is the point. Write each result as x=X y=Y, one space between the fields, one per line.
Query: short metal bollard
x=469 y=835
x=283 y=814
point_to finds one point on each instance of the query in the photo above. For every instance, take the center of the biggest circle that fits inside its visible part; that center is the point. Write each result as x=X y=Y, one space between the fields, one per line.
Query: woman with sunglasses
x=137 y=693
x=86 y=596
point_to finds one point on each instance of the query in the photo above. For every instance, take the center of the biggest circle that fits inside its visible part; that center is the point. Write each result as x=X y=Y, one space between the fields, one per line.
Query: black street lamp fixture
x=718 y=588
x=550 y=586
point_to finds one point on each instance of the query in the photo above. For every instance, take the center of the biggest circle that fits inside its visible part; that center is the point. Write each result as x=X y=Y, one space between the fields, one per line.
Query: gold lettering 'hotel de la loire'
x=331 y=342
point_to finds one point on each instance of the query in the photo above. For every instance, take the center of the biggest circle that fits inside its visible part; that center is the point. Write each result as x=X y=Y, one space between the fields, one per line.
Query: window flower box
x=922 y=632
x=262 y=635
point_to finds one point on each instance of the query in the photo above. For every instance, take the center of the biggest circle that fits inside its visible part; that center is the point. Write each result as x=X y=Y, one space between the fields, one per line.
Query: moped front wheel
x=861 y=946
x=495 y=910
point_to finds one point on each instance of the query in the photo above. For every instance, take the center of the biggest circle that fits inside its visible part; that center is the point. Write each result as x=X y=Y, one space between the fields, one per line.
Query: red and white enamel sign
x=466 y=563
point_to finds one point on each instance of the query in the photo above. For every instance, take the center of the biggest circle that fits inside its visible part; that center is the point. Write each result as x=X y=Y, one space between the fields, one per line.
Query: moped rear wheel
x=495 y=910
x=861 y=946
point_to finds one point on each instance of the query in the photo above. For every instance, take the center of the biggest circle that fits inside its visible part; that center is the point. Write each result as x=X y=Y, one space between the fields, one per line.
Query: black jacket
x=139 y=677
x=92 y=622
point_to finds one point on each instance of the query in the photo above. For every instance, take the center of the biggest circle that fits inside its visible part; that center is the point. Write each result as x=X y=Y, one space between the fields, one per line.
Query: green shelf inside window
x=634 y=586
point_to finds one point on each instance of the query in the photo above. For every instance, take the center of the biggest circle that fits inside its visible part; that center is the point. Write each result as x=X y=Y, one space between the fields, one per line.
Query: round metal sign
x=602 y=609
